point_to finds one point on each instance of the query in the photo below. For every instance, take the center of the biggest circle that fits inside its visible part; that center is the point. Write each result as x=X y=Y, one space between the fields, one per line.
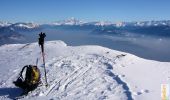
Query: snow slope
x=82 y=73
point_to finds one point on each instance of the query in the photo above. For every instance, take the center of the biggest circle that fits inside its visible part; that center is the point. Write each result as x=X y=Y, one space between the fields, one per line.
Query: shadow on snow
x=10 y=92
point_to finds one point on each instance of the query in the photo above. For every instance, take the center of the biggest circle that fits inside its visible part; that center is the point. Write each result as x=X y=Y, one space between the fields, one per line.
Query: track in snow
x=74 y=75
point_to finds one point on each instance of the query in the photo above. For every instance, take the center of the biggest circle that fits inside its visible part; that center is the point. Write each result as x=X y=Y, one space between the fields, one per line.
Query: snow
x=83 y=72
x=4 y=24
x=70 y=21
x=120 y=24
x=27 y=25
x=103 y=23
x=73 y=21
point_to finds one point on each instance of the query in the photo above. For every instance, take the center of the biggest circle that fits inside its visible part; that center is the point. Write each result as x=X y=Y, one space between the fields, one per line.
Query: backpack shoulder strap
x=22 y=71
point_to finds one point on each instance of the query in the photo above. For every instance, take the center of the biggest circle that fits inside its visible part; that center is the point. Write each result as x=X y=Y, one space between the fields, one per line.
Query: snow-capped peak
x=27 y=25
x=4 y=24
x=149 y=23
x=103 y=23
x=120 y=24
x=70 y=21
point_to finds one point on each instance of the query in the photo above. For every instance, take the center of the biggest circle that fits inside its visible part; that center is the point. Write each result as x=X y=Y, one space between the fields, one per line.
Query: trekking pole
x=41 y=43
x=44 y=68
x=37 y=62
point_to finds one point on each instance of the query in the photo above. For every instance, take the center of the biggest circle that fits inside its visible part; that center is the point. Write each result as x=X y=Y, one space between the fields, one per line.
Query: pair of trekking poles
x=41 y=44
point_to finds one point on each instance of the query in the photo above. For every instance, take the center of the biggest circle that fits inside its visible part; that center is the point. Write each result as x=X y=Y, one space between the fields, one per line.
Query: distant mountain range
x=153 y=28
x=73 y=21
x=10 y=32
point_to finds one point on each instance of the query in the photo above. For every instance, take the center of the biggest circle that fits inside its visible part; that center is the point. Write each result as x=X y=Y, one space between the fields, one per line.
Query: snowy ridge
x=74 y=21
x=83 y=72
x=4 y=24
x=103 y=23
x=71 y=21
x=26 y=25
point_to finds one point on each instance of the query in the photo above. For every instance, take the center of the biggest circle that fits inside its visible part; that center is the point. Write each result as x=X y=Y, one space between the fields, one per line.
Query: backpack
x=32 y=78
x=32 y=75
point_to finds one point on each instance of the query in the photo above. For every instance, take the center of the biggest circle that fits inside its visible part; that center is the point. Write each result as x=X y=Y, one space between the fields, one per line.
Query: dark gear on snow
x=32 y=78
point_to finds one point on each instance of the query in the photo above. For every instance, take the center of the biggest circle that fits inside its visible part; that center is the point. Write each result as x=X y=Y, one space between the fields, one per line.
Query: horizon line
x=46 y=22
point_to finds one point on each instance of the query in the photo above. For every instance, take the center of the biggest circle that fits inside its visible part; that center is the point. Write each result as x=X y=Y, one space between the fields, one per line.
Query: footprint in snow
x=122 y=65
x=121 y=75
x=107 y=52
x=144 y=91
x=137 y=93
x=109 y=66
x=141 y=92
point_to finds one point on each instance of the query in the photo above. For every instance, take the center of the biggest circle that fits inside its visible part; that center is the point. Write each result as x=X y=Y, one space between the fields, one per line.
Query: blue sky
x=88 y=10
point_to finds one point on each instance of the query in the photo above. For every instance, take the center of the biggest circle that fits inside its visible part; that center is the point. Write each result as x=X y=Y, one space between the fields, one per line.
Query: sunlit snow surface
x=83 y=73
